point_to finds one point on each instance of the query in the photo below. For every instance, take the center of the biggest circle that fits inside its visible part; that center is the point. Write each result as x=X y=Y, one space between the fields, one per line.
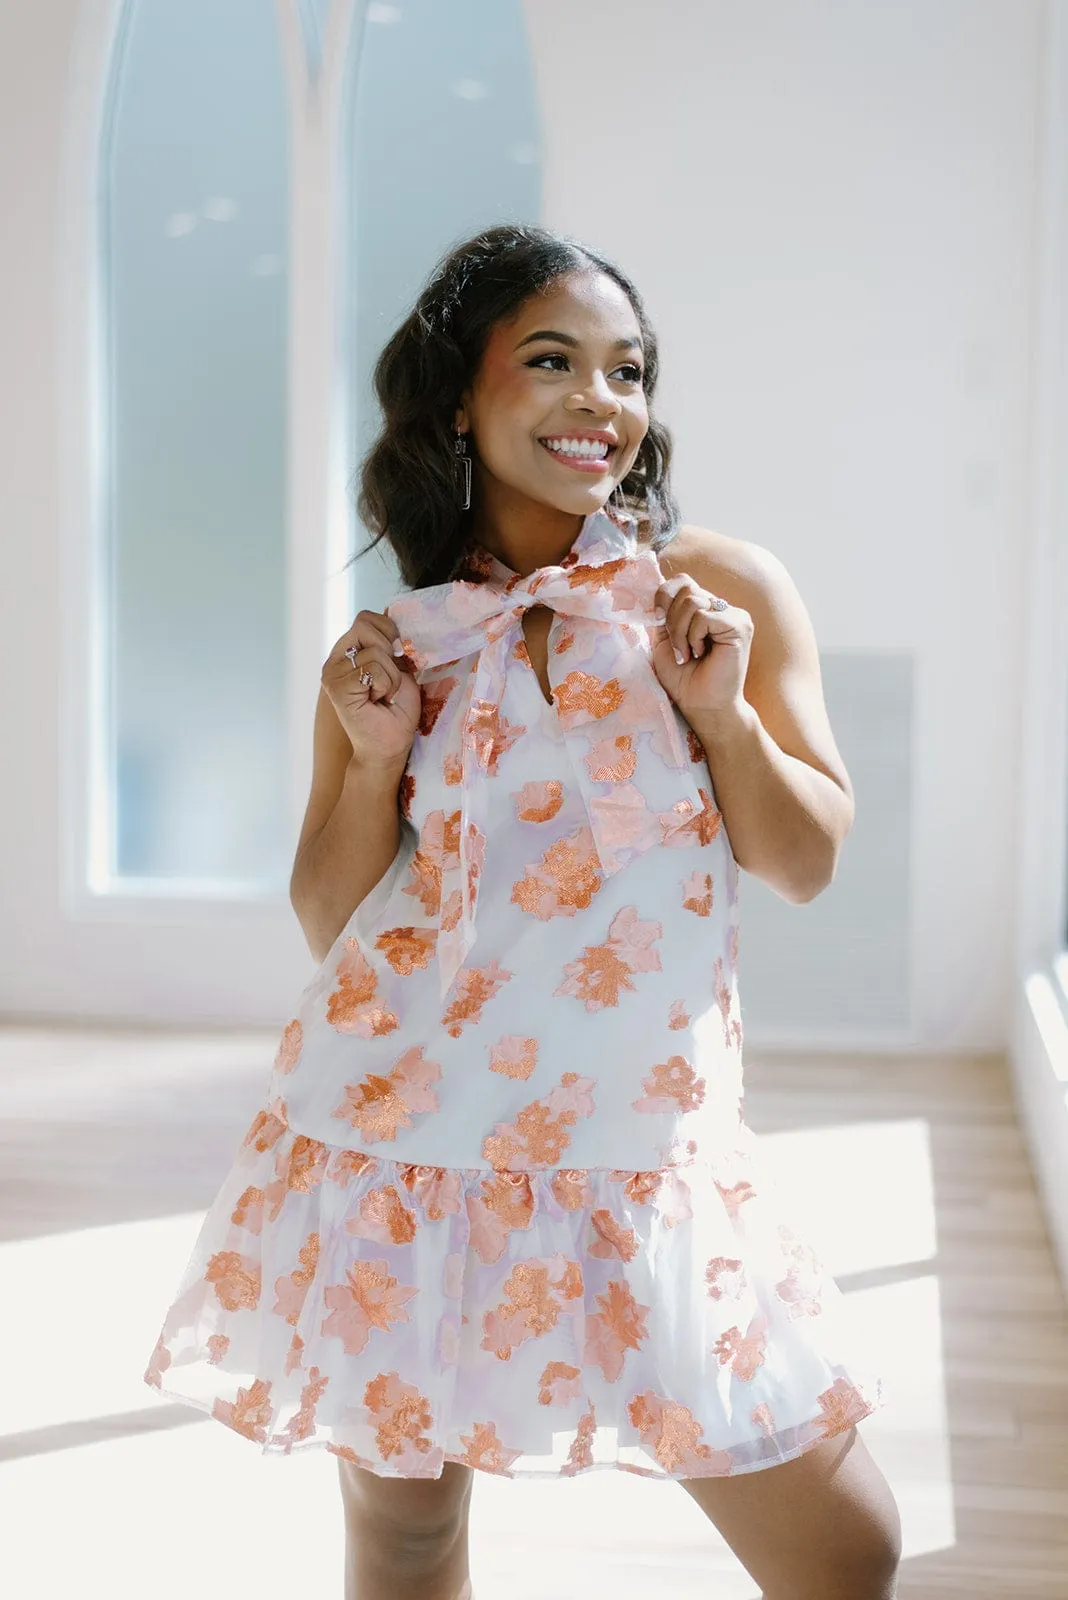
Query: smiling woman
x=583 y=414
x=520 y=337
x=500 y=1209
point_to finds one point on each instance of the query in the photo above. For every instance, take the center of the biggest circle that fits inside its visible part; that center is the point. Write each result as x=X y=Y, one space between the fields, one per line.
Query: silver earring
x=461 y=453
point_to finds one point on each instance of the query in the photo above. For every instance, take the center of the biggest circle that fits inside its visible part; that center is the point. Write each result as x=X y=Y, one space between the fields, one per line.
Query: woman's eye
x=628 y=366
x=537 y=361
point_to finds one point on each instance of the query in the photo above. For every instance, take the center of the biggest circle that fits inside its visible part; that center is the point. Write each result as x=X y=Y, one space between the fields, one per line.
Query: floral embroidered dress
x=500 y=1205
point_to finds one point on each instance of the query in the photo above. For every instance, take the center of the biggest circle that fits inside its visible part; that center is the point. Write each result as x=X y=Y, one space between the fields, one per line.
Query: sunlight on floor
x=114 y=1284
x=190 y=1504
x=844 y=1186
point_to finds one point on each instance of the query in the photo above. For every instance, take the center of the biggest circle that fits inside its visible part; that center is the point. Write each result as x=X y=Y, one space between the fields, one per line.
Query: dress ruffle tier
x=535 y=1323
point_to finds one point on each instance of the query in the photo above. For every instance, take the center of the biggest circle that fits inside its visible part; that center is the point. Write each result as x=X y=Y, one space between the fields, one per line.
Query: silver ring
x=716 y=604
x=367 y=678
x=351 y=652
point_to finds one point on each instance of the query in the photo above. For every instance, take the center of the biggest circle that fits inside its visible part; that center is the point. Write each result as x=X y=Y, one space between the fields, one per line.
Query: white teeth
x=578 y=447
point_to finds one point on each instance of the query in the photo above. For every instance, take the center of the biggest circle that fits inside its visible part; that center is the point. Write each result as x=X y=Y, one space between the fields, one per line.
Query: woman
x=500 y=1210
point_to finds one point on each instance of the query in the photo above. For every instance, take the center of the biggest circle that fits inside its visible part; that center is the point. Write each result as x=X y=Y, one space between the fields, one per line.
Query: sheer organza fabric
x=500 y=1204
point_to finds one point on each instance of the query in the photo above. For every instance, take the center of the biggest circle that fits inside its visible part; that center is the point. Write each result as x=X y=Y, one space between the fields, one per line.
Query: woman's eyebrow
x=565 y=338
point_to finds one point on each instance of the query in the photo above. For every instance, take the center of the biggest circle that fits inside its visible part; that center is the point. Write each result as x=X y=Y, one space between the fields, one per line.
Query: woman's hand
x=714 y=646
x=381 y=717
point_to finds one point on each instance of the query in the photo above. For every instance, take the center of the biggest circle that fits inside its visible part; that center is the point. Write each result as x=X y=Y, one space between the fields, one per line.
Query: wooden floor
x=910 y=1174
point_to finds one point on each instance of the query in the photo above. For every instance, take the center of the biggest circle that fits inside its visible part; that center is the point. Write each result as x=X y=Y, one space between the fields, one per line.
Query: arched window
x=193 y=395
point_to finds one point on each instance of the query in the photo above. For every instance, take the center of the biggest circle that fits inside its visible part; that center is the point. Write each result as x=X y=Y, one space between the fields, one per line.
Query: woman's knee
x=824 y=1525
x=859 y=1560
x=417 y=1512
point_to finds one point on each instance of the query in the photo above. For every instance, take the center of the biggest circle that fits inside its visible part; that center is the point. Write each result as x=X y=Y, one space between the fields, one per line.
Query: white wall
x=829 y=207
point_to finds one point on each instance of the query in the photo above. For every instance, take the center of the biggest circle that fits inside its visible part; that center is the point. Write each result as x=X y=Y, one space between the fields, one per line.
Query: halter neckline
x=480 y=564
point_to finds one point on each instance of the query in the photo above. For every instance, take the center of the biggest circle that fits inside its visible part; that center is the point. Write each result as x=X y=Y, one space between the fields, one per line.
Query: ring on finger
x=367 y=678
x=714 y=603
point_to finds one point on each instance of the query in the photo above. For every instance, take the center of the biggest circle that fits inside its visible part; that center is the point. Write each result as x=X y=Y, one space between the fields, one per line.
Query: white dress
x=500 y=1205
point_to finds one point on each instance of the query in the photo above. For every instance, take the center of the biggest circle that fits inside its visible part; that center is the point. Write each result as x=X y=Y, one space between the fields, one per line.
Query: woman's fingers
x=683 y=619
x=385 y=677
x=371 y=639
x=686 y=608
x=698 y=632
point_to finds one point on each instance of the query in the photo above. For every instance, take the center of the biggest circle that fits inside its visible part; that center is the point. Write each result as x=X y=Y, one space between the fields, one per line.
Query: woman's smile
x=580 y=456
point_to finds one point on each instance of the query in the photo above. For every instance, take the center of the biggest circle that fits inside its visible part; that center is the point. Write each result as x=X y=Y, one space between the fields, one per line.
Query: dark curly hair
x=408 y=480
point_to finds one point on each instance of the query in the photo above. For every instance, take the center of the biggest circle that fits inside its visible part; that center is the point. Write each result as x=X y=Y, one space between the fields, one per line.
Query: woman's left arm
x=751 y=690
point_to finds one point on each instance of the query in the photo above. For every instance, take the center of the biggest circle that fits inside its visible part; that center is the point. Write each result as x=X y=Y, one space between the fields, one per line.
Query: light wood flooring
x=909 y=1173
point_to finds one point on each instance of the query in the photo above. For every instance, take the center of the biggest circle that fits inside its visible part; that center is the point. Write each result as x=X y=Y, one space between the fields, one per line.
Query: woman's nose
x=599 y=393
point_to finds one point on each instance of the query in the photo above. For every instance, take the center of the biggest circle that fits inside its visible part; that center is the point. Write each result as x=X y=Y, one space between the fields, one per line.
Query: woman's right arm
x=338 y=866
x=351 y=829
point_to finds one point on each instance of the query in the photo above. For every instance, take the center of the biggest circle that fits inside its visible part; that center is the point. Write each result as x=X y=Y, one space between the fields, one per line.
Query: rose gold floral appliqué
x=350 y=1007
x=379 y=1106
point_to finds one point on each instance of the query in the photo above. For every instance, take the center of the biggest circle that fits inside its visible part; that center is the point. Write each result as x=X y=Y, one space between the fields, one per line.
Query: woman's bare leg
x=824 y=1526
x=406 y=1537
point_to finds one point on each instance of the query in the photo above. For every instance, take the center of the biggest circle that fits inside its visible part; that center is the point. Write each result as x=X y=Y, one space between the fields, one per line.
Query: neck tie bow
x=627 y=739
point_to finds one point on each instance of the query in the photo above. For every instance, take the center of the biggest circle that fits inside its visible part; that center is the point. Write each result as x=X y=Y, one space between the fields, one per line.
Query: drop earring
x=462 y=456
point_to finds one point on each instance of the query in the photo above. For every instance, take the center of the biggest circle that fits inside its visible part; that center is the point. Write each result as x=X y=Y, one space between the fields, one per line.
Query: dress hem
x=274 y=1447
x=531 y=1300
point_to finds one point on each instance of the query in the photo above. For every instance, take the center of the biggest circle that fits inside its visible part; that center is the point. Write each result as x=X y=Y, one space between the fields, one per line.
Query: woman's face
x=567 y=365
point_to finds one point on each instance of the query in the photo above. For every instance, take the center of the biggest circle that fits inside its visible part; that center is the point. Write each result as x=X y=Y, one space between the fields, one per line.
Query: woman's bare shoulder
x=716 y=560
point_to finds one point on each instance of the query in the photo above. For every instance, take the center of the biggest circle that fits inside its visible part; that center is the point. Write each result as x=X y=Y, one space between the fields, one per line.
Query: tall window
x=194 y=215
